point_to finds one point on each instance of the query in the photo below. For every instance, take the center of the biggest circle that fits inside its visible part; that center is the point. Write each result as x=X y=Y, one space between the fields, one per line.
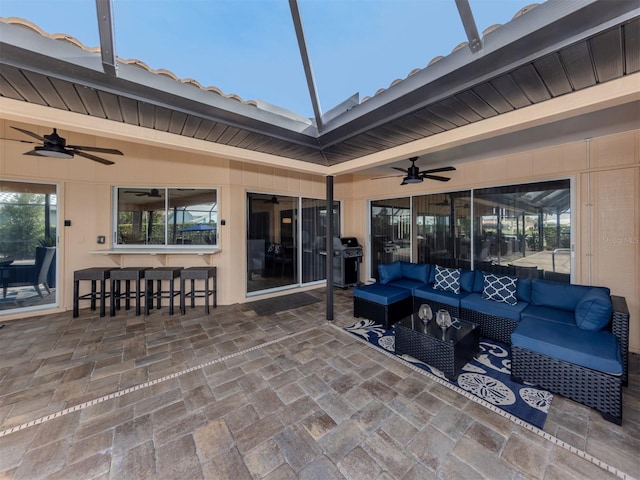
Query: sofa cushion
x=474 y=301
x=447 y=279
x=429 y=293
x=478 y=282
x=432 y=274
x=388 y=272
x=523 y=289
x=381 y=294
x=594 y=310
x=596 y=350
x=559 y=295
x=467 y=278
x=548 y=314
x=415 y=271
x=406 y=283
x=500 y=288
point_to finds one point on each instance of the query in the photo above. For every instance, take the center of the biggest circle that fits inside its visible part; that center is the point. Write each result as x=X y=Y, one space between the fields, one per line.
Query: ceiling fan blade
x=16 y=140
x=388 y=176
x=111 y=151
x=400 y=169
x=435 y=177
x=437 y=170
x=104 y=161
x=27 y=132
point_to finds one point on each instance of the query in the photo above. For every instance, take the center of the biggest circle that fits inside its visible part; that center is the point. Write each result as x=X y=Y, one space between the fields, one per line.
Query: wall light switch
x=101 y=239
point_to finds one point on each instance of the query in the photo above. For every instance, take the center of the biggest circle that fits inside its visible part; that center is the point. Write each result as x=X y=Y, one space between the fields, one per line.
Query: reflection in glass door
x=313 y=237
x=390 y=232
x=272 y=253
x=443 y=229
x=28 y=245
x=285 y=248
x=525 y=229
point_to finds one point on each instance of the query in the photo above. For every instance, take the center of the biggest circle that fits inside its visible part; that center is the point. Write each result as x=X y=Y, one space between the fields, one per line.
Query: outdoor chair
x=34 y=275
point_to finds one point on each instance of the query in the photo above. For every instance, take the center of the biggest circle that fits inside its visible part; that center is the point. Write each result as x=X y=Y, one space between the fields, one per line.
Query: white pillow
x=447 y=279
x=500 y=288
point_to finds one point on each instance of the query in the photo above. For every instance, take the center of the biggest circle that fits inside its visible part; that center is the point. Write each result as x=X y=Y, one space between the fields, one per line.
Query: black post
x=329 y=247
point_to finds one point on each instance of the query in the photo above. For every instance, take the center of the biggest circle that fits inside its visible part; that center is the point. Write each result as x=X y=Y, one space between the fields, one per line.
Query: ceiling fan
x=273 y=200
x=413 y=174
x=53 y=145
x=153 y=193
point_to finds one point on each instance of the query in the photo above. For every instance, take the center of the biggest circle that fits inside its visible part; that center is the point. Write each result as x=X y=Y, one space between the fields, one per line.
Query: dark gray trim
x=306 y=62
x=104 y=8
x=543 y=30
x=470 y=28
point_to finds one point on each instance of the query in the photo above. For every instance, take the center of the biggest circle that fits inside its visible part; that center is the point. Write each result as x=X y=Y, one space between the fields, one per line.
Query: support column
x=329 y=247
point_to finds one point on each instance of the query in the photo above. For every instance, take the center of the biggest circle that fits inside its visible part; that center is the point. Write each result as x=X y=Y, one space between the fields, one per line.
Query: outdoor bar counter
x=117 y=254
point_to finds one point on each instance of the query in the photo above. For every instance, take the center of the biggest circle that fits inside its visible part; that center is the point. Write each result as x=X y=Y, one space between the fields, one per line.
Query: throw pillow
x=594 y=310
x=447 y=279
x=389 y=272
x=500 y=288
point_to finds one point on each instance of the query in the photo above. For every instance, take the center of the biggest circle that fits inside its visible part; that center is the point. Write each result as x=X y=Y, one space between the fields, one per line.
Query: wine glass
x=443 y=319
x=424 y=313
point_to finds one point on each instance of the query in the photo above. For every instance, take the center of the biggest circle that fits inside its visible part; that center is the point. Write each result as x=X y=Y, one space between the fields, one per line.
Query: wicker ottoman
x=384 y=304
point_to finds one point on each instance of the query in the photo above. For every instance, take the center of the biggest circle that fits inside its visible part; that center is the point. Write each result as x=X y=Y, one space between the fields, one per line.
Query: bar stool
x=198 y=273
x=159 y=274
x=127 y=274
x=95 y=275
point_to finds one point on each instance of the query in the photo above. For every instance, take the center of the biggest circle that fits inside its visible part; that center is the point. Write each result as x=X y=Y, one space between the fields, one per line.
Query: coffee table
x=426 y=343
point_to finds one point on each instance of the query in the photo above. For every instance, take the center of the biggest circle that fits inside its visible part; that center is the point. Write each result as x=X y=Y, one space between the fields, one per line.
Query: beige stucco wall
x=85 y=198
x=605 y=172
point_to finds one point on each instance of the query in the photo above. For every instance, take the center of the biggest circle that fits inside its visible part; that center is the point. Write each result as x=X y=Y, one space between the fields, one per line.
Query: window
x=161 y=216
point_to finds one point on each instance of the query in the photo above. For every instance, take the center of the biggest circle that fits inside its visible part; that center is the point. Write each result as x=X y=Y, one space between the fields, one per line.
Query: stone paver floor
x=238 y=396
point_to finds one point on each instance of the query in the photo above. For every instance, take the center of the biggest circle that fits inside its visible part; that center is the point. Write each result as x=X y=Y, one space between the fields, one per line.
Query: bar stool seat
x=97 y=275
x=207 y=274
x=127 y=274
x=159 y=274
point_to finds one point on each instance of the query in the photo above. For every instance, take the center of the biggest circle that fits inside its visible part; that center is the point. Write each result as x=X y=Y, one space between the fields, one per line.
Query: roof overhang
x=555 y=50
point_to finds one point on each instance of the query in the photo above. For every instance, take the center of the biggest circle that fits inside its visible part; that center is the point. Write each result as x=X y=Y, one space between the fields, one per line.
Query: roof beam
x=464 y=9
x=104 y=8
x=311 y=84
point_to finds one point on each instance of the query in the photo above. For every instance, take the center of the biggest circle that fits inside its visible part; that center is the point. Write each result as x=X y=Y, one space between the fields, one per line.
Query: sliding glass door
x=28 y=245
x=286 y=240
x=516 y=229
x=443 y=228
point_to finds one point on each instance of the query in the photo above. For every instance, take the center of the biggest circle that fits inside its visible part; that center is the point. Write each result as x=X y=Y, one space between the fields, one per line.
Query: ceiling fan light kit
x=54 y=151
x=408 y=179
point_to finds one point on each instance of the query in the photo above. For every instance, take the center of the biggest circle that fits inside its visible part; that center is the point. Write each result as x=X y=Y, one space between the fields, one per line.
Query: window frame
x=165 y=192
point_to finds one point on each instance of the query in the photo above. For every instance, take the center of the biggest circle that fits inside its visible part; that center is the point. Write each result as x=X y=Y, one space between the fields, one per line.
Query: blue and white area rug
x=487 y=376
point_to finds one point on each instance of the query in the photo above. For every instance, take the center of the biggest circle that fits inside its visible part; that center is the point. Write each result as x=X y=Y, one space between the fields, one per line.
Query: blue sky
x=248 y=47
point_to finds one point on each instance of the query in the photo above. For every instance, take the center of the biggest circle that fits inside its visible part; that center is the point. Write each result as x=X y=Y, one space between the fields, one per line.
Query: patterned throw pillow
x=447 y=279
x=500 y=288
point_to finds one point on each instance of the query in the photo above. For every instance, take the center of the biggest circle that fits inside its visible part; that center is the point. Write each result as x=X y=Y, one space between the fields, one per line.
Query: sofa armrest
x=620 y=328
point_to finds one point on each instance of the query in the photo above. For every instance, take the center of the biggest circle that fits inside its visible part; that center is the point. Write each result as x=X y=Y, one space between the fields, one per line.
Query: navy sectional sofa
x=570 y=339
